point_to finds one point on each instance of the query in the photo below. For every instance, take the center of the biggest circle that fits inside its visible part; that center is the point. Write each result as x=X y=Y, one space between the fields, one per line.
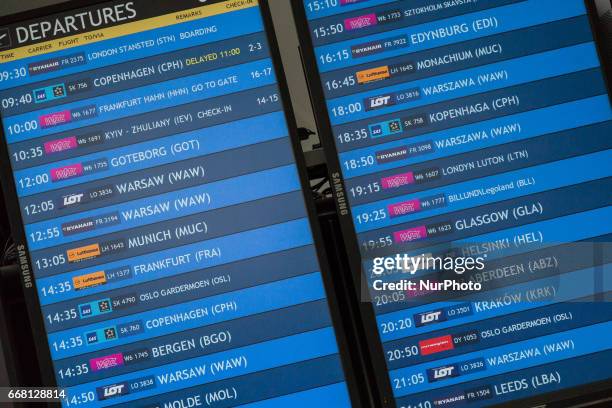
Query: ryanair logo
x=391 y=155
x=79 y=226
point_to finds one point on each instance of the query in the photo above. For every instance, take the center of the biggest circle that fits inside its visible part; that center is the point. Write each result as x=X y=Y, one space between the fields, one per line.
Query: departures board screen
x=172 y=259
x=476 y=129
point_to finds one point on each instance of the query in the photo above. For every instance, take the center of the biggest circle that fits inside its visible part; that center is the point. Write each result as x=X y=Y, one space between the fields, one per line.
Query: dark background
x=17 y=356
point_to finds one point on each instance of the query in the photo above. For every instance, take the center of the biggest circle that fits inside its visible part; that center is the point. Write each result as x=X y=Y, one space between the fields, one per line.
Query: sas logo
x=112 y=391
x=373 y=75
x=101 y=336
x=379 y=102
x=95 y=308
x=92 y=338
x=71 y=199
x=427 y=318
x=49 y=93
x=85 y=310
x=388 y=128
x=437 y=345
x=40 y=95
x=84 y=253
x=441 y=373
x=89 y=281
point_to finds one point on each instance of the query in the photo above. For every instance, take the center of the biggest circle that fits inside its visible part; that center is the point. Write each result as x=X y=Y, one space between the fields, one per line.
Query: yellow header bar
x=125 y=29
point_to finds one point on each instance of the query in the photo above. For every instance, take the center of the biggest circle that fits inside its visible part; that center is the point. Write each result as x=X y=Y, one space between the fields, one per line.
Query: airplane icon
x=5 y=39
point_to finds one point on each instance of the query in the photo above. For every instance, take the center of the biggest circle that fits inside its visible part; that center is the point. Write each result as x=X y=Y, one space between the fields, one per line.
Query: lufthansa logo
x=83 y=253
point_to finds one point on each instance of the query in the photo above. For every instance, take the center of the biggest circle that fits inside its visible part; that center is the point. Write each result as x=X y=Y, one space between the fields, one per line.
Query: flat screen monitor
x=480 y=130
x=158 y=207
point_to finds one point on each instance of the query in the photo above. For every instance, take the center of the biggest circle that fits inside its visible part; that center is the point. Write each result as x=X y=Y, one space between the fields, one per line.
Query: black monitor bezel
x=17 y=227
x=380 y=375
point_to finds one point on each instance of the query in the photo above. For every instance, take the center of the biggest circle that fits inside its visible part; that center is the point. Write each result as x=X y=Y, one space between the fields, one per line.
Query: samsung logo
x=339 y=194
x=26 y=274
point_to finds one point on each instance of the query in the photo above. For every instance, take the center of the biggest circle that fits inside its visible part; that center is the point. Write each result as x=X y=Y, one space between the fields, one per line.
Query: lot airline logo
x=379 y=102
x=427 y=318
x=112 y=391
x=71 y=199
x=442 y=373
